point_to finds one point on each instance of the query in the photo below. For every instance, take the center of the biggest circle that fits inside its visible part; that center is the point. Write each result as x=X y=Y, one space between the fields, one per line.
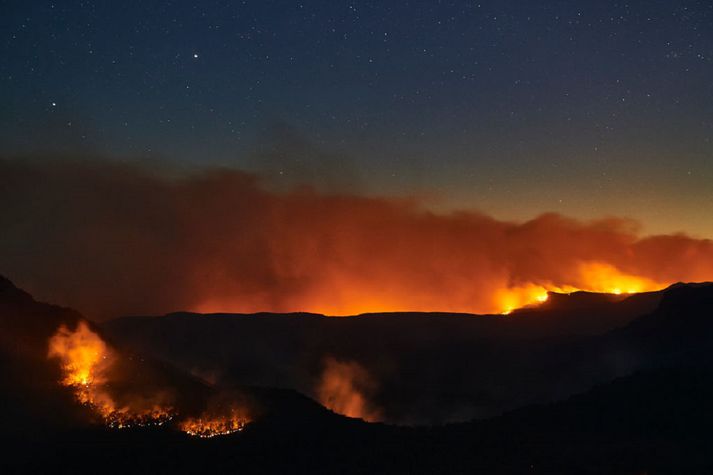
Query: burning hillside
x=87 y=363
x=91 y=369
x=212 y=425
x=590 y=276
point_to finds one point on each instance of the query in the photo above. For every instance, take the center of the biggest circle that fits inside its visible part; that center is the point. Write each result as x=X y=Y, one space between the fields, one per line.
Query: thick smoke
x=112 y=239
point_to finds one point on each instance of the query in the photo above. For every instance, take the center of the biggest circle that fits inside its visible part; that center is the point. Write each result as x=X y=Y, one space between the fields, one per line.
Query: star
x=195 y=55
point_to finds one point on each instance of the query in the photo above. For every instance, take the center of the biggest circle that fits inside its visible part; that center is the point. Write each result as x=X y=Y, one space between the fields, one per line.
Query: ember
x=209 y=425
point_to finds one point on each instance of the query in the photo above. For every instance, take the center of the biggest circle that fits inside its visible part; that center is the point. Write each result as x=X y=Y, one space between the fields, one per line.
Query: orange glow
x=212 y=425
x=602 y=277
x=590 y=277
x=517 y=297
x=87 y=363
x=344 y=388
x=224 y=241
x=84 y=356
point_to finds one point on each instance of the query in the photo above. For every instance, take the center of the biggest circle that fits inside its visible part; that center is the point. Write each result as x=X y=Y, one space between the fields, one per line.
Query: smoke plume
x=345 y=387
x=113 y=239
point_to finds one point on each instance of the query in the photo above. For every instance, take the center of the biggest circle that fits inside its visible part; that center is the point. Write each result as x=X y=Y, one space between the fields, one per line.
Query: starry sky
x=589 y=108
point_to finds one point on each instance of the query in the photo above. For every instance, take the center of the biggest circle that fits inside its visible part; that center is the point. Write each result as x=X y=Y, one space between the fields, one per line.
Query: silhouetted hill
x=651 y=422
x=26 y=377
x=585 y=313
x=29 y=380
x=42 y=426
x=678 y=332
x=649 y=411
x=430 y=367
x=654 y=421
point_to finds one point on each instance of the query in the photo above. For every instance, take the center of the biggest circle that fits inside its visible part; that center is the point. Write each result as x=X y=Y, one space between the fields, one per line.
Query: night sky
x=587 y=108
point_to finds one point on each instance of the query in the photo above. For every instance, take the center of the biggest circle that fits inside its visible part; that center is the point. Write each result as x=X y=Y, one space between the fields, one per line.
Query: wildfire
x=89 y=367
x=592 y=277
x=522 y=296
x=84 y=356
x=601 y=277
x=213 y=425
x=86 y=362
x=125 y=418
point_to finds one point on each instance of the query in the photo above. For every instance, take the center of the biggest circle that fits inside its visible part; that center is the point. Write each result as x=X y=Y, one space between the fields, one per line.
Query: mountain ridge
x=654 y=418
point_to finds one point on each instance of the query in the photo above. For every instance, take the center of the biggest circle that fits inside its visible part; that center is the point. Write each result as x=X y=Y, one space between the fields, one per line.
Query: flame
x=83 y=355
x=127 y=417
x=594 y=276
x=521 y=296
x=355 y=297
x=602 y=277
x=213 y=425
x=343 y=389
x=86 y=362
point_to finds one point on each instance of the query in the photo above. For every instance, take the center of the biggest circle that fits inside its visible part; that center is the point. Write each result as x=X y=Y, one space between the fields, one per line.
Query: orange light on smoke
x=345 y=388
x=602 y=277
x=590 y=277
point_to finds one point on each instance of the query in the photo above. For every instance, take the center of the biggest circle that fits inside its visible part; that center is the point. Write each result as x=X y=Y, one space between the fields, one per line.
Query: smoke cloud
x=112 y=239
x=346 y=388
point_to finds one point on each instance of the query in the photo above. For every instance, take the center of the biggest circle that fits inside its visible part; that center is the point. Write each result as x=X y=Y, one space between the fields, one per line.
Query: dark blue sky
x=589 y=108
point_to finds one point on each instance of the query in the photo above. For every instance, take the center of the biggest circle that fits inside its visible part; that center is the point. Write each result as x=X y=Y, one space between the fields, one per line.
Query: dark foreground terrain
x=585 y=384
